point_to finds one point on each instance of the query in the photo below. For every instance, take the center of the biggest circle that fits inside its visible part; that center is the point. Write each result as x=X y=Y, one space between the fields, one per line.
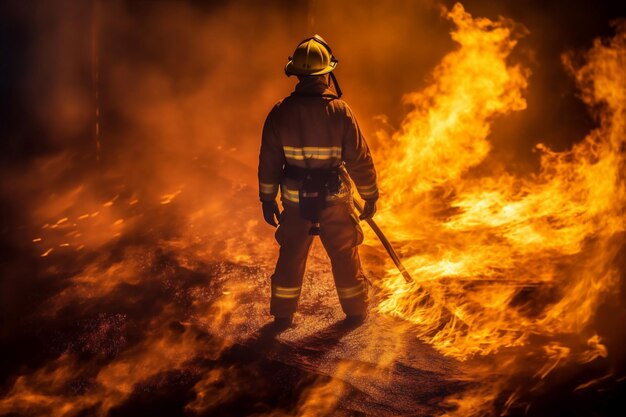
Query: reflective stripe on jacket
x=312 y=128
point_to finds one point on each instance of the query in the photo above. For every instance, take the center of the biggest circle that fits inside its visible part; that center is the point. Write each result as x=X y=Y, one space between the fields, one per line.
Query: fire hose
x=420 y=292
x=383 y=239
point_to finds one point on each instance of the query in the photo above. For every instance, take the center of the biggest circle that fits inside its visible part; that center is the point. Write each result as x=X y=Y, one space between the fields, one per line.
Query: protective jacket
x=314 y=129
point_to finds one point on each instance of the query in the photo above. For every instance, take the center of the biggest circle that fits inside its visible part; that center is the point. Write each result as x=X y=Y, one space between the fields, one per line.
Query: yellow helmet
x=312 y=56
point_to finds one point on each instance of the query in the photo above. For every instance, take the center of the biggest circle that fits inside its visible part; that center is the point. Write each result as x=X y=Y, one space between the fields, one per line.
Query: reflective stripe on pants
x=340 y=234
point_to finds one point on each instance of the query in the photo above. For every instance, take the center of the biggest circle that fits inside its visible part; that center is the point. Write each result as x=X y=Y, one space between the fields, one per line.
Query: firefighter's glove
x=271 y=214
x=368 y=210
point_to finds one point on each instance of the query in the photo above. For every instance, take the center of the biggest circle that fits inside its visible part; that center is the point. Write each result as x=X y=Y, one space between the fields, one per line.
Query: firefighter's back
x=310 y=130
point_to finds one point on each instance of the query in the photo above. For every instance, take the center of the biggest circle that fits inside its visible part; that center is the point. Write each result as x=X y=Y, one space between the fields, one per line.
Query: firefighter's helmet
x=312 y=56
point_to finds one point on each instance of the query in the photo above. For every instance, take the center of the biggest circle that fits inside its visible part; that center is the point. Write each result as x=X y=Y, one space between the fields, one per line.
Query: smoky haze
x=123 y=120
x=180 y=79
x=181 y=90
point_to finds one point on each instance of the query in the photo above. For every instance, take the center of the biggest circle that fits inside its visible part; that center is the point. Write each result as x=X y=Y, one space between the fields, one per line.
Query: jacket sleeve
x=356 y=155
x=271 y=160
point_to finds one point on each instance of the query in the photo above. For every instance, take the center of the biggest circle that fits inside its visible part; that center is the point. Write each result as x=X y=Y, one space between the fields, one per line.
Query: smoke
x=181 y=92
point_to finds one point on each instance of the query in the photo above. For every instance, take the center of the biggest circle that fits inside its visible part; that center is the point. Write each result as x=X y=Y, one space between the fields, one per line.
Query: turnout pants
x=340 y=234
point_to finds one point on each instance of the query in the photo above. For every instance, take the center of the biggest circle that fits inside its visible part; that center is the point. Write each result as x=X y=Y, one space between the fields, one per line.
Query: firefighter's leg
x=341 y=234
x=294 y=240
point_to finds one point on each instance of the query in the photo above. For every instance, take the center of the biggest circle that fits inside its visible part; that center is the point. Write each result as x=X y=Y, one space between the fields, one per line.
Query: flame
x=502 y=234
x=498 y=258
x=168 y=198
x=44 y=392
x=446 y=132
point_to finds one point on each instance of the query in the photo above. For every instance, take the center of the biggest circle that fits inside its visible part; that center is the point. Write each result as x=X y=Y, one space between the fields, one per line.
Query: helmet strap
x=336 y=84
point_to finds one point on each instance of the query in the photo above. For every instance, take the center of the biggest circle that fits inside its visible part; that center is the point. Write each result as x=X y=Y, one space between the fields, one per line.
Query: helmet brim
x=291 y=70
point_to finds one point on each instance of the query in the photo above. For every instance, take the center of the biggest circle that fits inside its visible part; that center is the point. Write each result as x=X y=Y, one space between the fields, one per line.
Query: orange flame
x=493 y=240
x=498 y=258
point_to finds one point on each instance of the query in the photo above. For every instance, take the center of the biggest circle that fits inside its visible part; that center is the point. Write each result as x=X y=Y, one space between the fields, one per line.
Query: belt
x=301 y=174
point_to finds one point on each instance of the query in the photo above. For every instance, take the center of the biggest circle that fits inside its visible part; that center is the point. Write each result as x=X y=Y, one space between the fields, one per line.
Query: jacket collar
x=313 y=86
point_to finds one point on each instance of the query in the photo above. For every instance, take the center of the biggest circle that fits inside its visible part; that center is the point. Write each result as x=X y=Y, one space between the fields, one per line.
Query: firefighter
x=311 y=146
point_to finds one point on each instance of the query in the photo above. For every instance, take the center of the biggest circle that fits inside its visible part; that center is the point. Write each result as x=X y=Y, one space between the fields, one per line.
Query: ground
x=166 y=323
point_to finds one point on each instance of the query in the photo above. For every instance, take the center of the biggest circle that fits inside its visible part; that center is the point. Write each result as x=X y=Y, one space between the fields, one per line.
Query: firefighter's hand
x=368 y=210
x=271 y=214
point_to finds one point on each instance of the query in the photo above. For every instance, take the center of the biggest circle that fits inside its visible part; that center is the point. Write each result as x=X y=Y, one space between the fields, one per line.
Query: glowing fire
x=498 y=258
